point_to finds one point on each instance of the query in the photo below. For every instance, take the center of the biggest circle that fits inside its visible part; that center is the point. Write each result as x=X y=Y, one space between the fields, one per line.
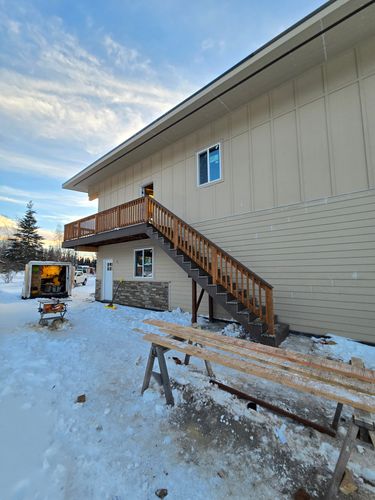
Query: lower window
x=143 y=261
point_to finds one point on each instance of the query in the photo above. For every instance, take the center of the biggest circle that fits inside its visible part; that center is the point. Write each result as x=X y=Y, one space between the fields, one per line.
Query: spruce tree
x=26 y=243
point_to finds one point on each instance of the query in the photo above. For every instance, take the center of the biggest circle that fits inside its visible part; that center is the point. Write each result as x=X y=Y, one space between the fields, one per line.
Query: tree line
x=27 y=244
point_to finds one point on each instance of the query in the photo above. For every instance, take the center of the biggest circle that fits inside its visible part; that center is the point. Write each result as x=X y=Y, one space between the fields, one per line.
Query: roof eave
x=303 y=30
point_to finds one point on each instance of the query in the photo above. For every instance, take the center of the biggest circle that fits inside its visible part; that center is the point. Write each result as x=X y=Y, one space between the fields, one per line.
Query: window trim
x=207 y=150
x=134 y=264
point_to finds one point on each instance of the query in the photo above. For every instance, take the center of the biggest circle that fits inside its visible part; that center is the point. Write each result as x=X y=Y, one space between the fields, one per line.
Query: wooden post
x=193 y=301
x=210 y=308
x=96 y=224
x=214 y=265
x=145 y=209
x=270 y=319
x=118 y=216
x=175 y=232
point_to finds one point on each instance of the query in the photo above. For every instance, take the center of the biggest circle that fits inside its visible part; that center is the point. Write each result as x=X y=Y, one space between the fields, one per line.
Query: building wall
x=297 y=200
x=312 y=137
x=165 y=271
x=319 y=257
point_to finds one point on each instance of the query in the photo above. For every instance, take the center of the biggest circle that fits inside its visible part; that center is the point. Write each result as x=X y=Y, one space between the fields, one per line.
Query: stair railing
x=247 y=287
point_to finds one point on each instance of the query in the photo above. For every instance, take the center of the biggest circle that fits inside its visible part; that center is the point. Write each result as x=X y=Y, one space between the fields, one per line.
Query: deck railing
x=127 y=214
x=246 y=286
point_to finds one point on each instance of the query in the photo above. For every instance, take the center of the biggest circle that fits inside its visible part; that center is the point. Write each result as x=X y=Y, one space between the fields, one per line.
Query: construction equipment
x=53 y=310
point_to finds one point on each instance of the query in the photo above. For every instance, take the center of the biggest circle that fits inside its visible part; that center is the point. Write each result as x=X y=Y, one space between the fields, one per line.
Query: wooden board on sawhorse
x=350 y=385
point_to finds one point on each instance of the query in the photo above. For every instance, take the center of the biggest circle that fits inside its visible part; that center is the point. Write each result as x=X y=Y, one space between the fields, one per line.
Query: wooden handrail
x=246 y=286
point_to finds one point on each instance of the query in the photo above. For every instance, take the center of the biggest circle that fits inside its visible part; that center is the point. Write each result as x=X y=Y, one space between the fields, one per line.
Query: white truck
x=80 y=278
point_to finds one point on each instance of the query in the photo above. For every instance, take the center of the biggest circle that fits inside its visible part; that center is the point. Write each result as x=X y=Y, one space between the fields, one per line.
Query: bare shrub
x=8 y=275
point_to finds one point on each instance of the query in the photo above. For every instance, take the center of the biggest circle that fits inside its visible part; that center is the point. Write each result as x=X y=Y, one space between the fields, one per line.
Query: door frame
x=145 y=184
x=107 y=281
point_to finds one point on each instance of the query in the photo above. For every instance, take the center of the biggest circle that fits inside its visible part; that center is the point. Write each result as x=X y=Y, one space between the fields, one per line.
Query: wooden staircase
x=247 y=297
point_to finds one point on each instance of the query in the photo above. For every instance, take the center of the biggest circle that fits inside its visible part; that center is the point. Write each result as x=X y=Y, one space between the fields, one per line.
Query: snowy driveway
x=119 y=445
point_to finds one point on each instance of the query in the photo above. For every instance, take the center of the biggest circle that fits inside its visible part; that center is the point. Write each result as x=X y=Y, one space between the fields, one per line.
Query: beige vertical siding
x=309 y=138
x=296 y=202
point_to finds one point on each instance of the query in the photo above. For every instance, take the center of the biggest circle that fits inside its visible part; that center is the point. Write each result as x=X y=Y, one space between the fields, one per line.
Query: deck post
x=270 y=319
x=210 y=308
x=193 y=301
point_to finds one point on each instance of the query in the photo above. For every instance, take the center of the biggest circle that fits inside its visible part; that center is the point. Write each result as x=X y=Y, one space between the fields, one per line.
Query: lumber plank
x=287 y=366
x=344 y=396
x=313 y=361
x=358 y=362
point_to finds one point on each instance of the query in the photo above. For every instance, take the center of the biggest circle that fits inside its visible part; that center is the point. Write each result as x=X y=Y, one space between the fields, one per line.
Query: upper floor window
x=209 y=165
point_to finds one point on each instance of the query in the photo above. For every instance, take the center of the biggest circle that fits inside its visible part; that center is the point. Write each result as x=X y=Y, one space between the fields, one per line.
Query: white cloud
x=62 y=104
x=124 y=57
x=6 y=199
x=48 y=198
x=67 y=93
x=12 y=161
x=211 y=44
x=14 y=27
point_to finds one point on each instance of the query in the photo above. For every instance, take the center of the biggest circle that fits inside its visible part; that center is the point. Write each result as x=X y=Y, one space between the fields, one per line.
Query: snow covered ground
x=118 y=445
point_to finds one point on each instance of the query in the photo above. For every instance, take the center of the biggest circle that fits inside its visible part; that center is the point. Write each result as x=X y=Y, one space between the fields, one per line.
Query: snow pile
x=232 y=330
x=344 y=349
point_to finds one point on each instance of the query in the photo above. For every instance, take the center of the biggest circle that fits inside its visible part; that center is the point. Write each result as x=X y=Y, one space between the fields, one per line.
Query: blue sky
x=79 y=77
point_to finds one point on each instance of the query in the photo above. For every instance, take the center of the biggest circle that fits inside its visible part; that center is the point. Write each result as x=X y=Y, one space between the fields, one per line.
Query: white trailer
x=46 y=279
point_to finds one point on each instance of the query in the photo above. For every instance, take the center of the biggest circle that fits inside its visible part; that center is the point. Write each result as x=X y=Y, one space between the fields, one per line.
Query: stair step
x=238 y=305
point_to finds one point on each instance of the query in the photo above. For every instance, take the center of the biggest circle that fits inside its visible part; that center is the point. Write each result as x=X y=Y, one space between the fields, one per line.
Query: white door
x=107 y=286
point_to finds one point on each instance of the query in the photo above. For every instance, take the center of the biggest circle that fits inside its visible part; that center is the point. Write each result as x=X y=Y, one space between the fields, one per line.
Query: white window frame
x=207 y=150
x=134 y=263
